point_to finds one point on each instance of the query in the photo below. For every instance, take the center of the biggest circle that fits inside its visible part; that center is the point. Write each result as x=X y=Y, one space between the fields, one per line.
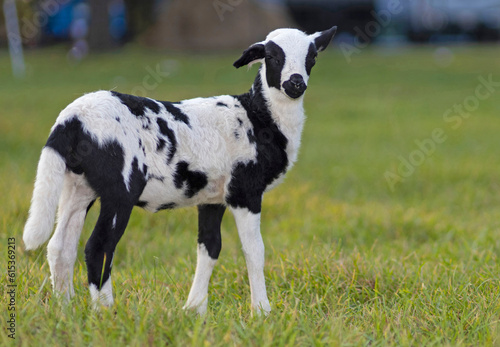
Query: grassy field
x=386 y=232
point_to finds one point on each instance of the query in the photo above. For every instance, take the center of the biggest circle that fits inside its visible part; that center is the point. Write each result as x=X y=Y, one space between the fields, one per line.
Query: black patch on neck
x=312 y=53
x=165 y=130
x=195 y=180
x=136 y=104
x=176 y=112
x=249 y=180
x=275 y=60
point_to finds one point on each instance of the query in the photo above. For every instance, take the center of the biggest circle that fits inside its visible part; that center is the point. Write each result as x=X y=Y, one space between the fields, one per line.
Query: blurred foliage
x=140 y=15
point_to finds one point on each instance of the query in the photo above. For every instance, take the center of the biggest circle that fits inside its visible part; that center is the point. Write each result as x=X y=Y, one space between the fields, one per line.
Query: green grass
x=349 y=261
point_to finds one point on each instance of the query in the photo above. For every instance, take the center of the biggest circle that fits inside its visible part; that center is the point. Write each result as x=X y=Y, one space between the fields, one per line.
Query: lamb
x=213 y=153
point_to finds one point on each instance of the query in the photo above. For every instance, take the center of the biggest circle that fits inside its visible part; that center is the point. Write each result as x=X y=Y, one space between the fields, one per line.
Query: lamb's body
x=206 y=152
x=187 y=152
x=212 y=141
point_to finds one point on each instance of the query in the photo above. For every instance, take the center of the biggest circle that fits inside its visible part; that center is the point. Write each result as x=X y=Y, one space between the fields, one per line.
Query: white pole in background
x=14 y=37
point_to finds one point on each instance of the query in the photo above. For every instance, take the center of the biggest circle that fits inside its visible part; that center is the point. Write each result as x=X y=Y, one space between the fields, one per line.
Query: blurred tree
x=99 y=36
x=140 y=15
x=214 y=24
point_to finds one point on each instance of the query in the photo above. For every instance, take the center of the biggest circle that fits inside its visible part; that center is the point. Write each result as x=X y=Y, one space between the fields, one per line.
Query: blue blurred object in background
x=117 y=20
x=71 y=21
x=58 y=24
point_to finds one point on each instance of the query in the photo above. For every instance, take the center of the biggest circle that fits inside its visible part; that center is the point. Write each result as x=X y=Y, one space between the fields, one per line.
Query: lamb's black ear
x=252 y=53
x=323 y=39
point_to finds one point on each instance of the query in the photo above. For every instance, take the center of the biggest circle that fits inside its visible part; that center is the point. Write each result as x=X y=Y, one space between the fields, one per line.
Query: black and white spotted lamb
x=214 y=153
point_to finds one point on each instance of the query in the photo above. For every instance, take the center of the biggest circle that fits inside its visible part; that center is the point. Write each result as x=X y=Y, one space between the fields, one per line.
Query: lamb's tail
x=48 y=187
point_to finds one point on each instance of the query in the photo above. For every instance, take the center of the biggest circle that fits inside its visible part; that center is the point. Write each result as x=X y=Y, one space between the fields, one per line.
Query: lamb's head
x=287 y=57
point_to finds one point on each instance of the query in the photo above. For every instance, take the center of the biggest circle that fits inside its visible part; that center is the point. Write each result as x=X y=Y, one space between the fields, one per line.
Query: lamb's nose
x=297 y=81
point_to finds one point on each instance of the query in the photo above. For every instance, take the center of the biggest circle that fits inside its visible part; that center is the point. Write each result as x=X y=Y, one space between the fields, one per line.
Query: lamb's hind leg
x=209 y=246
x=62 y=248
x=100 y=248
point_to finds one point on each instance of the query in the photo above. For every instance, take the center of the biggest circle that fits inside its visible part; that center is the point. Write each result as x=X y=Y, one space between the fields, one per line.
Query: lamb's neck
x=287 y=113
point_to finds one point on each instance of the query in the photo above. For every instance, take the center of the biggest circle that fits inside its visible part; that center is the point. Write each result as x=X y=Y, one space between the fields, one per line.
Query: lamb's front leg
x=209 y=246
x=248 y=225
